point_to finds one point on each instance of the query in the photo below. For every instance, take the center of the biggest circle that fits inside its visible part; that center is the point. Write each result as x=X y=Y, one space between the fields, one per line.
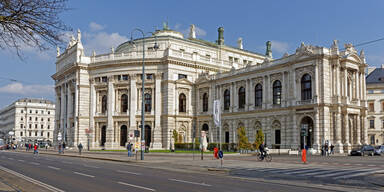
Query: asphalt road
x=77 y=174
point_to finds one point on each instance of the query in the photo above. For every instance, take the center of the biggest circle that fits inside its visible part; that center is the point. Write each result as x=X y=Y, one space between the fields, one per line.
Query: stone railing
x=305 y=102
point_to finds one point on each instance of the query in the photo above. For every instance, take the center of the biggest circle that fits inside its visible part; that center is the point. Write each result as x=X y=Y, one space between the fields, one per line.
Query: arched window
x=124 y=103
x=306 y=87
x=258 y=95
x=277 y=92
x=205 y=102
x=241 y=97
x=182 y=103
x=148 y=102
x=227 y=99
x=104 y=104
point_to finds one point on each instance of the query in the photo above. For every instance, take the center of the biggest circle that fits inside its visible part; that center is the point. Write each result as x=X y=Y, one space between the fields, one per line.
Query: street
x=80 y=174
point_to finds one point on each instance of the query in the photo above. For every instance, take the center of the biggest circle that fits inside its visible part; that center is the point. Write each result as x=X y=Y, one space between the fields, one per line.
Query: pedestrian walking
x=35 y=150
x=26 y=147
x=80 y=146
x=332 y=149
x=326 y=149
x=129 y=148
x=62 y=150
x=29 y=146
x=46 y=147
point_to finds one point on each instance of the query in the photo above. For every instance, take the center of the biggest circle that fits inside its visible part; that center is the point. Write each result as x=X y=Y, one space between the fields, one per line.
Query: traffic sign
x=221 y=154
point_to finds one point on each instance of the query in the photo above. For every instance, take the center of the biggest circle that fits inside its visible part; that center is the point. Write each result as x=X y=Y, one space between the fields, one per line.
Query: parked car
x=363 y=150
x=379 y=150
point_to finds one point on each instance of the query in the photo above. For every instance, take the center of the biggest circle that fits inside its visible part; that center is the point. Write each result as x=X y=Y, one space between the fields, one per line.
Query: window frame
x=306 y=87
x=205 y=102
x=258 y=95
x=227 y=99
x=182 y=103
x=147 y=102
x=242 y=97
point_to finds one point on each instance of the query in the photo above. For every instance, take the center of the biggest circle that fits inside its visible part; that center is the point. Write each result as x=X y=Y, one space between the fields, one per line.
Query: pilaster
x=110 y=128
x=157 y=128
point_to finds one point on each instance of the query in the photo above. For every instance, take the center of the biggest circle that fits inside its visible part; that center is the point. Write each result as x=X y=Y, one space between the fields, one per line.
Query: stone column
x=294 y=88
x=265 y=99
x=132 y=102
x=295 y=132
x=157 y=128
x=347 y=132
x=365 y=132
x=316 y=84
x=357 y=88
x=79 y=134
x=251 y=98
x=232 y=97
x=283 y=91
x=92 y=111
x=338 y=82
x=110 y=126
x=316 y=131
x=339 y=145
x=69 y=114
x=346 y=83
x=62 y=113
x=358 y=130
x=246 y=107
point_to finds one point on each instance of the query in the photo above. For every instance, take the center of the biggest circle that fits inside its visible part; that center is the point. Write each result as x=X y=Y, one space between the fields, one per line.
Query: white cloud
x=200 y=32
x=36 y=90
x=279 y=47
x=102 y=42
x=95 y=27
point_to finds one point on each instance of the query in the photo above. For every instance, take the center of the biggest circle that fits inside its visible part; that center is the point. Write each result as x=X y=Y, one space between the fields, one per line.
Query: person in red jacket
x=35 y=151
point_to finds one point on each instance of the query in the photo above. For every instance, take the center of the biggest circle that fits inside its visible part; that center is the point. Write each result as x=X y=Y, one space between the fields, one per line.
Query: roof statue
x=240 y=43
x=192 y=32
x=362 y=56
x=93 y=53
x=268 y=52
x=58 y=50
x=165 y=25
x=112 y=50
x=349 y=48
x=78 y=35
x=72 y=41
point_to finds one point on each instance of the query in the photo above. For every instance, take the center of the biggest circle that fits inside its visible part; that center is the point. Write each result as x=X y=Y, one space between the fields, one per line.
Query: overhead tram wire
x=366 y=43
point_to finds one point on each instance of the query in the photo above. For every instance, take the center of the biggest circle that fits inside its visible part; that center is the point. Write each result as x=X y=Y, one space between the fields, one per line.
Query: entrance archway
x=103 y=135
x=307 y=124
x=123 y=135
x=206 y=129
x=148 y=135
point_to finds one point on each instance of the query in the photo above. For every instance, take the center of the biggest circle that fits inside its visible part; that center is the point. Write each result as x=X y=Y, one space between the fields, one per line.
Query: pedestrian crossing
x=321 y=173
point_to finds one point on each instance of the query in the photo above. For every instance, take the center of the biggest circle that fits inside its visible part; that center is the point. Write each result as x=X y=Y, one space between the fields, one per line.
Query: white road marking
x=300 y=171
x=371 y=165
x=49 y=159
x=133 y=173
x=56 y=168
x=190 y=182
x=359 y=174
x=318 y=172
x=358 y=164
x=140 y=187
x=347 y=164
x=67 y=162
x=83 y=174
x=33 y=163
x=11 y=158
x=49 y=187
x=343 y=172
x=90 y=166
x=21 y=160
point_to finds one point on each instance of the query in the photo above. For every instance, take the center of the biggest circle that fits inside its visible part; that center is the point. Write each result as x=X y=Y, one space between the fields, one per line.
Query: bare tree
x=33 y=23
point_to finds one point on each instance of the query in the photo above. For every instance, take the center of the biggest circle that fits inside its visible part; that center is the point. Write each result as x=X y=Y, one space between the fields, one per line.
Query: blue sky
x=286 y=23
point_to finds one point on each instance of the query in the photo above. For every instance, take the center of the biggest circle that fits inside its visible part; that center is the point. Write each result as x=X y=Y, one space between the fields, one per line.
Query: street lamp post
x=143 y=89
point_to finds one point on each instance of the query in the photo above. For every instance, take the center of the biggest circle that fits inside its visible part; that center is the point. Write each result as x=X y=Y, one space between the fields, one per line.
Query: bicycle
x=267 y=156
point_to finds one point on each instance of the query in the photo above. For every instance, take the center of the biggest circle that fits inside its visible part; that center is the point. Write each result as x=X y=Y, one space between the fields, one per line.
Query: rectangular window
x=182 y=76
x=371 y=107
x=149 y=76
x=48 y=134
x=236 y=60
x=372 y=124
x=36 y=112
x=42 y=119
x=230 y=59
x=41 y=134
x=35 y=126
x=21 y=118
x=30 y=133
x=104 y=79
x=125 y=77
x=48 y=119
x=30 y=118
x=42 y=126
x=42 y=112
x=35 y=133
x=277 y=137
x=21 y=133
x=49 y=112
x=30 y=111
x=383 y=124
x=21 y=125
x=35 y=118
x=22 y=111
x=370 y=91
x=227 y=137
x=48 y=127
x=30 y=126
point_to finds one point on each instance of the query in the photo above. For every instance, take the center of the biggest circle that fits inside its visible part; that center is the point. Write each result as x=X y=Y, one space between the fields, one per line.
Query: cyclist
x=262 y=150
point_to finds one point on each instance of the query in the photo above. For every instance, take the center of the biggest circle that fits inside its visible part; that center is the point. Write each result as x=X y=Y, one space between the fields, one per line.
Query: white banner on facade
x=216 y=112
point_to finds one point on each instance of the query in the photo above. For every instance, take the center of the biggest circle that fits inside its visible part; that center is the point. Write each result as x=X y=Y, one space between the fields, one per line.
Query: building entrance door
x=123 y=135
x=103 y=135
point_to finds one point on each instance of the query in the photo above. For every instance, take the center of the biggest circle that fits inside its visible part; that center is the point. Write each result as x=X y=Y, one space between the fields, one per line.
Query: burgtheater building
x=316 y=88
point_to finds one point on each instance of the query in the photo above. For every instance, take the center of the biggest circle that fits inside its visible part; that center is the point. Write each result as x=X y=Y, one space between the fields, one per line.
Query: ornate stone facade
x=316 y=87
